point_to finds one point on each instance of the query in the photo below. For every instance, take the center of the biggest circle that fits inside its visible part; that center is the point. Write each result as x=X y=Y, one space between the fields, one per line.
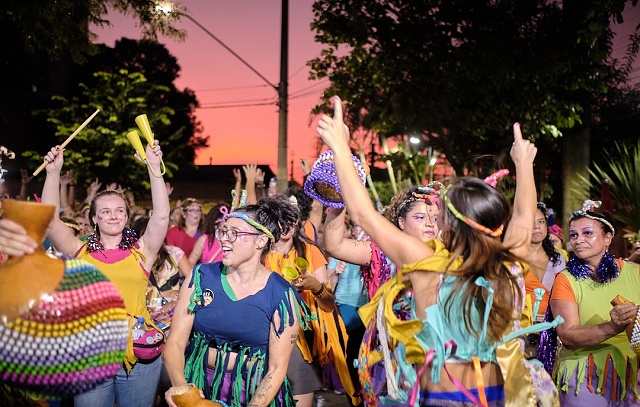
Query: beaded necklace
x=606 y=272
x=129 y=237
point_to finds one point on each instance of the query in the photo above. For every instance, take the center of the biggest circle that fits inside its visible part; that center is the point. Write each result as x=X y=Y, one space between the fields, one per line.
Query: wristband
x=320 y=292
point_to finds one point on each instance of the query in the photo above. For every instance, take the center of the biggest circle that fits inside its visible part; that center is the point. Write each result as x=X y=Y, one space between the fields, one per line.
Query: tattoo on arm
x=294 y=338
x=260 y=396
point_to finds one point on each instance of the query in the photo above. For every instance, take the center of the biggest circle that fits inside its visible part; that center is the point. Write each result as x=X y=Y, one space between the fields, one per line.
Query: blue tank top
x=225 y=320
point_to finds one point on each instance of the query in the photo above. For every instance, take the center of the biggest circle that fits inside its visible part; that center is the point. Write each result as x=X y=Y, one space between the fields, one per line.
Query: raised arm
x=250 y=172
x=66 y=208
x=519 y=229
x=153 y=237
x=25 y=179
x=198 y=249
x=350 y=250
x=61 y=235
x=400 y=247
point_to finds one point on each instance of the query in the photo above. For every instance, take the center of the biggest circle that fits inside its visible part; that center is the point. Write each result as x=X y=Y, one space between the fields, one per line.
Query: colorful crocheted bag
x=70 y=341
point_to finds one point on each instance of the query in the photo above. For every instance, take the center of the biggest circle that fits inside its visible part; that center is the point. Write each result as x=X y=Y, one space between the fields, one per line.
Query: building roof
x=209 y=182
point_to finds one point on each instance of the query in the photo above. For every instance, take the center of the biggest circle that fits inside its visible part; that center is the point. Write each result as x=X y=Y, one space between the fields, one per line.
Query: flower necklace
x=129 y=237
x=606 y=272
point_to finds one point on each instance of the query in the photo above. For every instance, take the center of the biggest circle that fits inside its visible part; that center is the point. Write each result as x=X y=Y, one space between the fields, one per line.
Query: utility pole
x=283 y=100
x=282 y=88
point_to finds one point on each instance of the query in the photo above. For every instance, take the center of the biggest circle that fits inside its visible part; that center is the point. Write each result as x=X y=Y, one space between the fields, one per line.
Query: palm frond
x=622 y=172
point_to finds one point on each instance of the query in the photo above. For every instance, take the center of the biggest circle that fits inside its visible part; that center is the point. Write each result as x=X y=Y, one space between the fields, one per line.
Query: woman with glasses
x=123 y=258
x=186 y=233
x=303 y=370
x=237 y=321
x=207 y=248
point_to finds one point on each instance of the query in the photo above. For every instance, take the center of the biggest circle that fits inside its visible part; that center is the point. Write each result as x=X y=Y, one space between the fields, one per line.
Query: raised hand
x=26 y=178
x=250 y=171
x=522 y=151
x=169 y=188
x=306 y=166
x=259 y=176
x=237 y=175
x=55 y=159
x=67 y=178
x=332 y=129
x=93 y=189
x=154 y=155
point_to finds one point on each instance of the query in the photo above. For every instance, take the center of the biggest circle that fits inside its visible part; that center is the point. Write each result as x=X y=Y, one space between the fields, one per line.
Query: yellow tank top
x=124 y=269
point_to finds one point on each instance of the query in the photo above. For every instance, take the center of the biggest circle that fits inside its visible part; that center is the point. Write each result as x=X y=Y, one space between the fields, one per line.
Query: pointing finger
x=517 y=134
x=337 y=109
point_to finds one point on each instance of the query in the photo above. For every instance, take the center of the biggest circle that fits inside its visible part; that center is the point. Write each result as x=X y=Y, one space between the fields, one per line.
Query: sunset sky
x=239 y=135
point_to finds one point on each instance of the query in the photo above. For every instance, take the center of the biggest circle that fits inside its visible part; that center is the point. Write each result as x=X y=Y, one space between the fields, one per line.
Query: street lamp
x=168 y=7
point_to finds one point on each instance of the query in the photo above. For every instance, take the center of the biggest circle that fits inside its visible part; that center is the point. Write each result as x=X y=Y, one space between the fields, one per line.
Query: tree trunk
x=575 y=160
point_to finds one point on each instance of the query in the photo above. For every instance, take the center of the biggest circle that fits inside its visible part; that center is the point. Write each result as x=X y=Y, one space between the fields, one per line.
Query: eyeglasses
x=231 y=234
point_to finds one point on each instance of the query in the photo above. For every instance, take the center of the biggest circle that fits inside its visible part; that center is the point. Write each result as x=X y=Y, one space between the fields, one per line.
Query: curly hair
x=304 y=202
x=402 y=203
x=274 y=213
x=483 y=255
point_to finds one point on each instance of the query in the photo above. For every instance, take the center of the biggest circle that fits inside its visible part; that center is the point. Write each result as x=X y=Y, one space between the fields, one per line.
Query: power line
x=317 y=84
x=231 y=88
x=228 y=106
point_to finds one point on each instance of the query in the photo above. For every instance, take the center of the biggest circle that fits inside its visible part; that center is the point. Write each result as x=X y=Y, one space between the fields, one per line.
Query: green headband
x=472 y=223
x=251 y=222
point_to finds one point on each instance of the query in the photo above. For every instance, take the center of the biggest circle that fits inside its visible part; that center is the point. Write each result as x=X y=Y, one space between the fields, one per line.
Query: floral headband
x=543 y=207
x=590 y=206
x=252 y=222
x=423 y=194
x=472 y=223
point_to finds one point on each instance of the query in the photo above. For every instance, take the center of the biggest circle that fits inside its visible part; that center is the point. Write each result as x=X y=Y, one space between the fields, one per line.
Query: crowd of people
x=450 y=296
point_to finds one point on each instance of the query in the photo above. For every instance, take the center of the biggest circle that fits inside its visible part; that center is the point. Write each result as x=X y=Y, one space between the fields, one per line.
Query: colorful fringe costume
x=239 y=326
x=71 y=341
x=441 y=336
x=330 y=334
x=593 y=301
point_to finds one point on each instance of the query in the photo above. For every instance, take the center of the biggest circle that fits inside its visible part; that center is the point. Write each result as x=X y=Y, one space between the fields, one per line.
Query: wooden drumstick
x=68 y=140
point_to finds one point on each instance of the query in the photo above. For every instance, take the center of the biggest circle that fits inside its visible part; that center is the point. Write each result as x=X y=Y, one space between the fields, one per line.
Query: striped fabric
x=72 y=340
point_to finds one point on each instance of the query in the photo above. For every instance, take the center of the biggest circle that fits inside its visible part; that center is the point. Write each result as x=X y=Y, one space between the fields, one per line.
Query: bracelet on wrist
x=260 y=184
x=320 y=292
